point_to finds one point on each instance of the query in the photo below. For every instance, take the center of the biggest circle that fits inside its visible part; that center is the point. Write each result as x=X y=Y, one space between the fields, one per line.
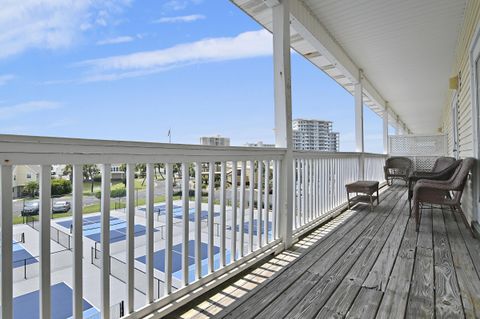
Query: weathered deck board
x=448 y=303
x=327 y=272
x=366 y=304
x=373 y=265
x=394 y=302
x=263 y=297
x=380 y=273
x=343 y=297
x=472 y=243
x=468 y=281
x=421 y=297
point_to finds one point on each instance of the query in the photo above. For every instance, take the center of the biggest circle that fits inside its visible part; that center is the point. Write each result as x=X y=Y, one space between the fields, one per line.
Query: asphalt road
x=87 y=200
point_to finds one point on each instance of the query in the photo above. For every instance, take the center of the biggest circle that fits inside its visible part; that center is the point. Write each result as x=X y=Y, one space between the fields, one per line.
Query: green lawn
x=95 y=208
x=87 y=186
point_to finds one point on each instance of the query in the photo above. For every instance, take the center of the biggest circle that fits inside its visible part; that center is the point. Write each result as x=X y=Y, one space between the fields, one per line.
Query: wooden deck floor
x=362 y=265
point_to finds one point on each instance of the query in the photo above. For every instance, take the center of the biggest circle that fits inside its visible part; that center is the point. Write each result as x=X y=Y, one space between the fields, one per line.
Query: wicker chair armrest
x=432 y=184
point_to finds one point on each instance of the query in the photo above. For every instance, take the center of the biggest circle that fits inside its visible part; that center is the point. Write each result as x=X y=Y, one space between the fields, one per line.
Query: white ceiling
x=405 y=48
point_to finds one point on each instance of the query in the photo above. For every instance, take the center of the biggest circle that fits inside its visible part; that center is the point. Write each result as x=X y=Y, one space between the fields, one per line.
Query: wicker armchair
x=442 y=170
x=447 y=192
x=397 y=168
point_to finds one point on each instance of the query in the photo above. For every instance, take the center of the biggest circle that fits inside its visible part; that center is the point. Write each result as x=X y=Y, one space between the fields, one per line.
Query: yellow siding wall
x=461 y=67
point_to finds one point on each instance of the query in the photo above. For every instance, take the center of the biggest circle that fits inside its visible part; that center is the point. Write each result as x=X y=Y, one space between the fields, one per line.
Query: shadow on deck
x=362 y=264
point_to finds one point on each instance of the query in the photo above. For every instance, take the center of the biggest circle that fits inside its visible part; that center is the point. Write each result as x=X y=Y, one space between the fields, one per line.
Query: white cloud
x=50 y=24
x=116 y=40
x=245 y=45
x=189 y=18
x=6 y=78
x=177 y=5
x=27 y=107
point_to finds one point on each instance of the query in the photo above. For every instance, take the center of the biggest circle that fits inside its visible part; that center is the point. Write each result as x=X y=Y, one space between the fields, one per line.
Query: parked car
x=61 y=207
x=30 y=209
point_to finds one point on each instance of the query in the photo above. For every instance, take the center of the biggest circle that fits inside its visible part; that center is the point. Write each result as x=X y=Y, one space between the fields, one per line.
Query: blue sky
x=132 y=70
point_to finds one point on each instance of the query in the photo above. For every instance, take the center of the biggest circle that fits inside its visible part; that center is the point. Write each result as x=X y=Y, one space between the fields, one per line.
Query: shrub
x=116 y=191
x=61 y=187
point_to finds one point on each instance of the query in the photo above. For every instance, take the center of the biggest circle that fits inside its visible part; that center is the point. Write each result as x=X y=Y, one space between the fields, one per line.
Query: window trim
x=474 y=57
x=455 y=137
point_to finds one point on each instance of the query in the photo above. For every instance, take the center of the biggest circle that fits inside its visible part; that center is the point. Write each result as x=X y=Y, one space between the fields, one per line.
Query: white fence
x=423 y=150
x=244 y=224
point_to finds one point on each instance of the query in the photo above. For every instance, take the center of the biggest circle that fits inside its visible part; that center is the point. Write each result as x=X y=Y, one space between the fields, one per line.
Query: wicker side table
x=364 y=187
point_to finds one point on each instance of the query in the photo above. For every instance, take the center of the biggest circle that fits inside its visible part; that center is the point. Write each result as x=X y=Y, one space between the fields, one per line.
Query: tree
x=68 y=171
x=123 y=168
x=176 y=172
x=142 y=169
x=158 y=167
x=89 y=173
x=31 y=189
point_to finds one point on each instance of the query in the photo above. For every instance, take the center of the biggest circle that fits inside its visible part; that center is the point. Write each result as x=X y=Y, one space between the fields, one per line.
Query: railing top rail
x=36 y=150
x=17 y=149
x=315 y=154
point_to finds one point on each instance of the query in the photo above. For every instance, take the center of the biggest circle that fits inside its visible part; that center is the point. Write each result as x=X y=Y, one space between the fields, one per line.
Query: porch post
x=399 y=128
x=359 y=138
x=283 y=112
x=359 y=142
x=385 y=129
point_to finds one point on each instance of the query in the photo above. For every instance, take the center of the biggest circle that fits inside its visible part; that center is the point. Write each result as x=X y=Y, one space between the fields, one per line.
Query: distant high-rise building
x=314 y=135
x=215 y=140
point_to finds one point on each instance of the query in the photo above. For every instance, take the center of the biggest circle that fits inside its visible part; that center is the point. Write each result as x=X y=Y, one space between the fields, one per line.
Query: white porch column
x=359 y=141
x=359 y=138
x=6 y=233
x=385 y=129
x=45 y=311
x=283 y=112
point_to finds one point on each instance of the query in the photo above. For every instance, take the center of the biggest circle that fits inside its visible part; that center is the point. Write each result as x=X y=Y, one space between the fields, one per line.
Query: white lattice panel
x=424 y=163
x=402 y=145
x=423 y=150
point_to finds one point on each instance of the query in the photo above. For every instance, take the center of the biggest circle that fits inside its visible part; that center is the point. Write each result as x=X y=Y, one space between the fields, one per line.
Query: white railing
x=373 y=167
x=319 y=183
x=239 y=225
x=211 y=237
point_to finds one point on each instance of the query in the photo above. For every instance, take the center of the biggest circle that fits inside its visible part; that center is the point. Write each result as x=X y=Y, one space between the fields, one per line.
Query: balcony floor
x=362 y=264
